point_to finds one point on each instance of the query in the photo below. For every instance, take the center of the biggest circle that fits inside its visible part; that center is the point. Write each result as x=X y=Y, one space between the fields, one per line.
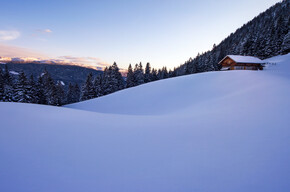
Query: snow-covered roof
x=225 y=68
x=243 y=59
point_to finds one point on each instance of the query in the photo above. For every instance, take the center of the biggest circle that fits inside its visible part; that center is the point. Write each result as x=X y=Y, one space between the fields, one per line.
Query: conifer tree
x=40 y=91
x=8 y=86
x=31 y=90
x=1 y=85
x=70 y=94
x=164 y=73
x=77 y=93
x=117 y=77
x=187 y=66
x=51 y=94
x=21 y=89
x=159 y=74
x=60 y=100
x=106 y=81
x=50 y=90
x=88 y=91
x=139 y=74
x=98 y=86
x=7 y=76
x=73 y=94
x=147 y=75
x=154 y=75
x=130 y=82
x=53 y=97
x=112 y=80
x=285 y=47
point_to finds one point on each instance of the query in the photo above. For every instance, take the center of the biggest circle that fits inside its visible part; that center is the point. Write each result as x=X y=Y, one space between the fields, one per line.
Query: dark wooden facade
x=230 y=64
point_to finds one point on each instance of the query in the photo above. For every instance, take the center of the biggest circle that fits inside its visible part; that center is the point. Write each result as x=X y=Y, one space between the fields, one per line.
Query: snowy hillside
x=232 y=90
x=217 y=131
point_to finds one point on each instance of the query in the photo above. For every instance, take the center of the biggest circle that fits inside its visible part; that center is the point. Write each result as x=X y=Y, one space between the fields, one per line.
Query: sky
x=162 y=32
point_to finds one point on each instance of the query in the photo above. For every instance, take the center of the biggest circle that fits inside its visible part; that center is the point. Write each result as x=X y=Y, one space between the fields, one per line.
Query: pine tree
x=77 y=93
x=40 y=96
x=130 y=82
x=31 y=90
x=73 y=94
x=286 y=44
x=21 y=89
x=118 y=77
x=154 y=75
x=138 y=74
x=172 y=73
x=106 y=81
x=8 y=86
x=70 y=94
x=187 y=68
x=147 y=75
x=98 y=86
x=50 y=90
x=61 y=100
x=88 y=91
x=53 y=98
x=112 y=80
x=1 y=85
x=159 y=74
x=164 y=73
x=7 y=76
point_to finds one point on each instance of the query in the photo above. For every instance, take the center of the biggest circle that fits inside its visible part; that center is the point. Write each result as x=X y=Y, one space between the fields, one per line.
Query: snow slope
x=217 y=131
x=193 y=93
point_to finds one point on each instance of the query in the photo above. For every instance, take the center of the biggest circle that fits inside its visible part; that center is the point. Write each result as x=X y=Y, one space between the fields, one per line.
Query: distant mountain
x=59 y=72
x=265 y=36
x=67 y=60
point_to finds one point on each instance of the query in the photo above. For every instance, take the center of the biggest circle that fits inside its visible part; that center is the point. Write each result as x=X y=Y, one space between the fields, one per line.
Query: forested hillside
x=265 y=36
x=59 y=72
x=50 y=90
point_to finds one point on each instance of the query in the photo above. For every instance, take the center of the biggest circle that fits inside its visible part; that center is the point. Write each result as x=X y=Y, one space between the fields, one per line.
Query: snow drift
x=216 y=131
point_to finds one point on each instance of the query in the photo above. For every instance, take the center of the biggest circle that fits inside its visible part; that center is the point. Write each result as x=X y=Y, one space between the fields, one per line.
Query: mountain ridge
x=59 y=72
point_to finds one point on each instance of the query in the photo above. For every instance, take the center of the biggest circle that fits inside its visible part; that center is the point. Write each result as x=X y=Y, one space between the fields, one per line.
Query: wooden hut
x=239 y=62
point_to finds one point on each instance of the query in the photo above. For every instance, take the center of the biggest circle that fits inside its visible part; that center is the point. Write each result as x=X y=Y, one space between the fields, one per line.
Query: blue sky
x=162 y=32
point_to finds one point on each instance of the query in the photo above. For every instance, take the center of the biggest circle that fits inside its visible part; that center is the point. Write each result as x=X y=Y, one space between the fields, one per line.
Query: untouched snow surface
x=217 y=131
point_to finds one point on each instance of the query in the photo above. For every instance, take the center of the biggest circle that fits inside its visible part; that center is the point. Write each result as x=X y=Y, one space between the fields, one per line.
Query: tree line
x=45 y=90
x=111 y=80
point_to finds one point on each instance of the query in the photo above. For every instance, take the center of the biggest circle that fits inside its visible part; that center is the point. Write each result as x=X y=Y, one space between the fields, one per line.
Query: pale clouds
x=47 y=31
x=9 y=51
x=85 y=61
x=44 y=30
x=94 y=62
x=8 y=35
x=14 y=51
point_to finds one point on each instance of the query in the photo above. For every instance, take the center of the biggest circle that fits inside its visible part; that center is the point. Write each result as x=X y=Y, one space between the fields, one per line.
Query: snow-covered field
x=218 y=131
